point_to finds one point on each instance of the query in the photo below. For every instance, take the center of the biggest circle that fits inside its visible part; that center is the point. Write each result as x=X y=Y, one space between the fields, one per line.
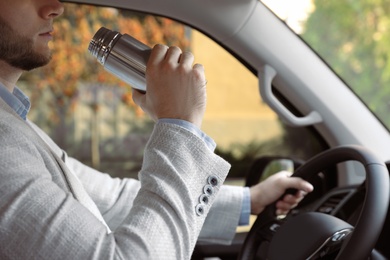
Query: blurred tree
x=353 y=37
x=71 y=63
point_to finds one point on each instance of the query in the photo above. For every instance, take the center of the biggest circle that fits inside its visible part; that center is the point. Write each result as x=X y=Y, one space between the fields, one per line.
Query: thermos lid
x=102 y=43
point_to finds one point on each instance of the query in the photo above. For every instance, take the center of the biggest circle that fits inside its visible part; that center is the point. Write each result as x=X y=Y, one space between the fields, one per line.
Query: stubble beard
x=18 y=50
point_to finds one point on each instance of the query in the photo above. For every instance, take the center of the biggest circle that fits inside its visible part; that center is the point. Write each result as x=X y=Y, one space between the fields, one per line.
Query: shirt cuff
x=192 y=128
x=246 y=208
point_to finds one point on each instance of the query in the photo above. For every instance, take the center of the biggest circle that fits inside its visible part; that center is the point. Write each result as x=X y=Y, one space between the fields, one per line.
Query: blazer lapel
x=75 y=186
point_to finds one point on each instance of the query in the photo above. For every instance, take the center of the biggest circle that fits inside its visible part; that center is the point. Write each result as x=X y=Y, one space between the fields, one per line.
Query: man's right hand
x=272 y=188
x=175 y=87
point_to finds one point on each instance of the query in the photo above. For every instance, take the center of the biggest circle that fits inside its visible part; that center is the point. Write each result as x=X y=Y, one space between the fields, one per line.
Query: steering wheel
x=312 y=235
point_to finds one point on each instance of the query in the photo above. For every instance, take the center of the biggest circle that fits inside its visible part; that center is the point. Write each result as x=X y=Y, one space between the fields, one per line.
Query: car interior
x=327 y=132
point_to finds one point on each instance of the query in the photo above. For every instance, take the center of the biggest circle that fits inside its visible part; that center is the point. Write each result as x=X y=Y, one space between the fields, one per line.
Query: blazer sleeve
x=115 y=201
x=40 y=221
x=222 y=221
x=114 y=198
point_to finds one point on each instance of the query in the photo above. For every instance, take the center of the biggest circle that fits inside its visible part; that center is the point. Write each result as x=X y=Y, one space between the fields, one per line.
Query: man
x=54 y=207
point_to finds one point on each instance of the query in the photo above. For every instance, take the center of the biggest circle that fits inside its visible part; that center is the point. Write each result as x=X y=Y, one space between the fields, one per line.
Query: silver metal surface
x=121 y=55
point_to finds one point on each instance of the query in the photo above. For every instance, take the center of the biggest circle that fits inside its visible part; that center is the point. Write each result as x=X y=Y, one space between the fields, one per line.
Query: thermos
x=122 y=55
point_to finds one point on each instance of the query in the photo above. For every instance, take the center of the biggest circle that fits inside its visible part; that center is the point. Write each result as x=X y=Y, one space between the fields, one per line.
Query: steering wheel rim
x=376 y=200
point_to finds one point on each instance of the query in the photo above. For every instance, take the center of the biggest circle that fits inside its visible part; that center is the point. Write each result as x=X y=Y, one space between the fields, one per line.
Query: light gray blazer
x=54 y=207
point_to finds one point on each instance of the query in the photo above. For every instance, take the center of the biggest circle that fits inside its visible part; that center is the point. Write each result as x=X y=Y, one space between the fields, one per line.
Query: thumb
x=300 y=184
x=141 y=100
x=138 y=97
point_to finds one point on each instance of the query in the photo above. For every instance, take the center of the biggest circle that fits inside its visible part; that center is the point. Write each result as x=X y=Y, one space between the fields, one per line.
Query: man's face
x=25 y=29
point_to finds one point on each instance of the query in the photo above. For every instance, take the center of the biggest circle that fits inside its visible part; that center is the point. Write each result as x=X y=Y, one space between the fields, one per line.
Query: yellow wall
x=235 y=112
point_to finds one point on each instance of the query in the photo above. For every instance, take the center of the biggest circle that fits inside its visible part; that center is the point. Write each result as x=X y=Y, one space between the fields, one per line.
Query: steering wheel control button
x=208 y=189
x=340 y=235
x=204 y=198
x=199 y=209
x=274 y=227
x=212 y=180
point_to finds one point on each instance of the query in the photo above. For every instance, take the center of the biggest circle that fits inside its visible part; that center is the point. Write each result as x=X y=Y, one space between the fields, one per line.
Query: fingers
x=289 y=201
x=173 y=55
x=158 y=54
x=175 y=87
x=199 y=69
x=187 y=58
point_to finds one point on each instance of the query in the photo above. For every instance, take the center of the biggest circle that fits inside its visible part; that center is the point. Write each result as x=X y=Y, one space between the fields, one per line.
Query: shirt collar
x=17 y=100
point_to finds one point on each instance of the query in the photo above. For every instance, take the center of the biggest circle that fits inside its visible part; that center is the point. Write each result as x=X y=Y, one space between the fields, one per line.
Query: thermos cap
x=102 y=43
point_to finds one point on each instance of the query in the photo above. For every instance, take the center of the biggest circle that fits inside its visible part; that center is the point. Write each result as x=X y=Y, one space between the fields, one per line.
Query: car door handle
x=266 y=74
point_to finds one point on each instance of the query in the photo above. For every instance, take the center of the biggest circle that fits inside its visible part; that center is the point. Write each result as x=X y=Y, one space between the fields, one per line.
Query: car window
x=90 y=113
x=352 y=37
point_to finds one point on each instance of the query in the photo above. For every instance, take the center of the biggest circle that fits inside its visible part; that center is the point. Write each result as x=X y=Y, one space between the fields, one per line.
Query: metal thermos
x=121 y=55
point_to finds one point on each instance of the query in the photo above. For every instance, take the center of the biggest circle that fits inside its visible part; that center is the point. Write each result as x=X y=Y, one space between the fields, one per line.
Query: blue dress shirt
x=17 y=100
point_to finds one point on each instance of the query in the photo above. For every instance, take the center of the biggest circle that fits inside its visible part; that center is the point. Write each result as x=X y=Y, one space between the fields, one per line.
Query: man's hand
x=175 y=88
x=272 y=188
